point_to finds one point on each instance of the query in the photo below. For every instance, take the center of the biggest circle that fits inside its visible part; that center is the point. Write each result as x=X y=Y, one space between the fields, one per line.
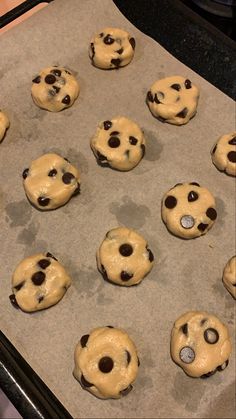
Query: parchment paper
x=187 y=274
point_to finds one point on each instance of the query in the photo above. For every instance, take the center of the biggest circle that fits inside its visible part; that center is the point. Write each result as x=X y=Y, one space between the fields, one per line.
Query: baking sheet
x=187 y=274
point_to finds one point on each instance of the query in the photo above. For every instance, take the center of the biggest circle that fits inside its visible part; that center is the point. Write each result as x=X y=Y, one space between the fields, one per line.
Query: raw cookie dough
x=38 y=282
x=224 y=154
x=50 y=181
x=4 y=124
x=54 y=89
x=173 y=99
x=200 y=344
x=229 y=276
x=124 y=257
x=188 y=210
x=119 y=143
x=111 y=48
x=106 y=362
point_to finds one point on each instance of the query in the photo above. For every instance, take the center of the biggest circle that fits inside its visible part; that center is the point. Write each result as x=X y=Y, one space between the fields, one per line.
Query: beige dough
x=4 y=124
x=38 y=282
x=224 y=154
x=229 y=276
x=188 y=210
x=124 y=257
x=200 y=344
x=111 y=48
x=119 y=143
x=54 y=89
x=106 y=362
x=50 y=181
x=173 y=99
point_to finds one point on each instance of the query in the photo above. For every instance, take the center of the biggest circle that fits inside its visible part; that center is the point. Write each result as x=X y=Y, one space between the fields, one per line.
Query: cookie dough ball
x=229 y=276
x=111 y=48
x=38 y=282
x=173 y=99
x=119 y=143
x=4 y=124
x=188 y=210
x=106 y=362
x=50 y=181
x=200 y=344
x=124 y=257
x=54 y=89
x=224 y=154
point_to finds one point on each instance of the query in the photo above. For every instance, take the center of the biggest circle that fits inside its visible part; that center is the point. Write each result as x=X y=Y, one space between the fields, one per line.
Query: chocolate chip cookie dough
x=229 y=276
x=200 y=344
x=188 y=210
x=111 y=48
x=119 y=143
x=106 y=362
x=4 y=124
x=173 y=100
x=223 y=154
x=39 y=282
x=54 y=89
x=124 y=257
x=50 y=181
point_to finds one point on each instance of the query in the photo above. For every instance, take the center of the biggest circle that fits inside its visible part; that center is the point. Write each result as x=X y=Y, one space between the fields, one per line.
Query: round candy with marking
x=118 y=143
x=188 y=210
x=50 y=181
x=4 y=124
x=173 y=100
x=223 y=154
x=106 y=362
x=124 y=257
x=200 y=344
x=229 y=276
x=55 y=88
x=111 y=48
x=38 y=282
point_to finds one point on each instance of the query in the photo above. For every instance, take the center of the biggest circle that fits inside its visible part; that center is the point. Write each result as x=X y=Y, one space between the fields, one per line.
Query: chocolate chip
x=211 y=335
x=128 y=357
x=177 y=184
x=84 y=340
x=107 y=125
x=101 y=157
x=50 y=79
x=37 y=80
x=66 y=100
x=41 y=298
x=184 y=328
x=126 y=390
x=77 y=190
x=12 y=298
x=149 y=96
x=104 y=273
x=194 y=183
x=56 y=72
x=188 y=84
x=52 y=173
x=105 y=364
x=116 y=62
x=170 y=202
x=108 y=40
x=67 y=72
x=67 y=178
x=65 y=158
x=182 y=113
x=208 y=374
x=143 y=148
x=192 y=196
x=101 y=34
x=211 y=213
x=110 y=327
x=138 y=362
x=113 y=142
x=214 y=149
x=150 y=255
x=126 y=249
x=176 y=86
x=119 y=51
x=43 y=202
x=92 y=49
x=233 y=141
x=49 y=255
x=127 y=153
x=19 y=286
x=187 y=221
x=44 y=263
x=38 y=278
x=156 y=99
x=125 y=276
x=223 y=366
x=133 y=140
x=187 y=355
x=203 y=321
x=57 y=89
x=132 y=42
x=25 y=173
x=232 y=156
x=114 y=133
x=202 y=226
x=84 y=382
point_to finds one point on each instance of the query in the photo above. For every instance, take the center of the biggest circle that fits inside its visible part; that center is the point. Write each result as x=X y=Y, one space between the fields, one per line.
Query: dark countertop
x=204 y=49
